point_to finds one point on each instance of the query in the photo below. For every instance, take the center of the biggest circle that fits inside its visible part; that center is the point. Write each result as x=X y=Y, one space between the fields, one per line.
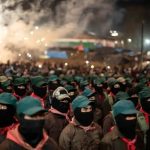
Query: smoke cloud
x=32 y=25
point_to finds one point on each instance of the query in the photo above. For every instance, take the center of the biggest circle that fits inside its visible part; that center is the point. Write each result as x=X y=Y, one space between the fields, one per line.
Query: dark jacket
x=112 y=141
x=108 y=122
x=14 y=141
x=73 y=137
x=54 y=124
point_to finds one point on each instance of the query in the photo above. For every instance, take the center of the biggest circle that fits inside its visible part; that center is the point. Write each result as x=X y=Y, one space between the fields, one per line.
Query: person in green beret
x=7 y=114
x=6 y=86
x=123 y=136
x=20 y=87
x=82 y=132
x=29 y=133
x=39 y=87
x=145 y=110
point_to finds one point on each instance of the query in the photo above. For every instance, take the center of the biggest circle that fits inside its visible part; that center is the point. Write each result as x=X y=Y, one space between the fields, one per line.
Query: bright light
x=114 y=33
x=92 y=66
x=36 y=27
x=147 y=62
x=147 y=41
x=108 y=67
x=31 y=32
x=25 y=38
x=19 y=55
x=40 y=66
x=66 y=64
x=29 y=55
x=116 y=42
x=122 y=42
x=129 y=40
x=46 y=45
x=42 y=39
x=38 y=41
x=148 y=53
x=87 y=62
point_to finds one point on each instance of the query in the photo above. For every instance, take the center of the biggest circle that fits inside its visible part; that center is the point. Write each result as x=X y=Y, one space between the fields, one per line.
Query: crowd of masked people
x=73 y=110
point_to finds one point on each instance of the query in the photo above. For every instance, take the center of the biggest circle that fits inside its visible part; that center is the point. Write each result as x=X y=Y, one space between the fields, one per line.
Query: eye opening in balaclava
x=84 y=118
x=60 y=105
x=20 y=89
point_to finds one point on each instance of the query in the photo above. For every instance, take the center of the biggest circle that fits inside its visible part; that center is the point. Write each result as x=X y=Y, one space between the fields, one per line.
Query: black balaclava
x=84 y=118
x=8 y=89
x=145 y=103
x=60 y=106
x=40 y=91
x=126 y=127
x=53 y=85
x=31 y=130
x=72 y=94
x=123 y=87
x=115 y=90
x=20 y=89
x=99 y=89
x=134 y=100
x=7 y=116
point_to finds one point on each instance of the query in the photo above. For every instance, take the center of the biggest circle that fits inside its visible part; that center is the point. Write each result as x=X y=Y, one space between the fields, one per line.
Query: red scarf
x=3 y=131
x=146 y=115
x=55 y=111
x=130 y=144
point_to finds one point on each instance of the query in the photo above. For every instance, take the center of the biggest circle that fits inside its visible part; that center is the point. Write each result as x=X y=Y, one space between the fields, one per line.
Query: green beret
x=80 y=102
x=29 y=106
x=121 y=96
x=124 y=107
x=8 y=99
x=53 y=78
x=70 y=88
x=38 y=81
x=19 y=81
x=144 y=93
x=88 y=92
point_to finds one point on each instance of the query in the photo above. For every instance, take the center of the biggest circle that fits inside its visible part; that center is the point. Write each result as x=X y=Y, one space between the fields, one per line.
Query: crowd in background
x=57 y=106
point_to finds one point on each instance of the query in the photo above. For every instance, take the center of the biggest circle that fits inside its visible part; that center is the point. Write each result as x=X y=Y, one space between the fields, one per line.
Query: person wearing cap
x=108 y=121
x=20 y=87
x=82 y=132
x=53 y=84
x=7 y=114
x=6 y=86
x=83 y=84
x=123 y=136
x=91 y=95
x=29 y=133
x=102 y=101
x=145 y=110
x=57 y=118
x=39 y=87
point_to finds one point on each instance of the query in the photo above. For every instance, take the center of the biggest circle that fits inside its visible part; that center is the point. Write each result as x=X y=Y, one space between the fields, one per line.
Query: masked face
x=8 y=89
x=115 y=89
x=84 y=117
x=146 y=105
x=99 y=88
x=72 y=95
x=53 y=85
x=31 y=130
x=127 y=125
x=40 y=91
x=60 y=106
x=134 y=100
x=7 y=113
x=20 y=90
